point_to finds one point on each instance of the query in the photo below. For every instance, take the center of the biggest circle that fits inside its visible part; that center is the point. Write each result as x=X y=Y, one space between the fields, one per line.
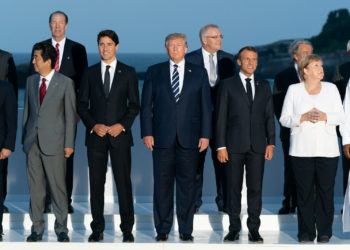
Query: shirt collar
x=181 y=64
x=206 y=53
x=62 y=42
x=112 y=64
x=48 y=77
x=243 y=77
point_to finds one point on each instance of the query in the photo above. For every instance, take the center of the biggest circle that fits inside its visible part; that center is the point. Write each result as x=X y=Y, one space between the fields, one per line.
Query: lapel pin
x=68 y=57
x=190 y=70
x=119 y=71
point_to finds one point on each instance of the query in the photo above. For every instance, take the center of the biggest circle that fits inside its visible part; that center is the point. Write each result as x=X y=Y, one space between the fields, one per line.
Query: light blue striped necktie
x=175 y=83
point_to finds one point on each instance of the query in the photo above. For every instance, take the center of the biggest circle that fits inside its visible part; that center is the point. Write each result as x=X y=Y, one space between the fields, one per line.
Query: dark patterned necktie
x=175 y=83
x=42 y=90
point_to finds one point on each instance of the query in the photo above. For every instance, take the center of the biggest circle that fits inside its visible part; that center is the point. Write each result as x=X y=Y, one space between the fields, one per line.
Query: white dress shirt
x=207 y=64
x=252 y=83
x=309 y=139
x=345 y=127
x=48 y=79
x=181 y=70
x=111 y=71
x=60 y=48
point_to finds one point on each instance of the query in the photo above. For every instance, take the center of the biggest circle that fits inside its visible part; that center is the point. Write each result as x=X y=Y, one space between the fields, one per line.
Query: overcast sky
x=143 y=24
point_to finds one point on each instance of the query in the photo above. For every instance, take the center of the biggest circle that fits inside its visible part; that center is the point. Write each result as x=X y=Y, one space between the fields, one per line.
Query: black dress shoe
x=162 y=237
x=254 y=236
x=196 y=210
x=232 y=236
x=95 y=237
x=1 y=236
x=62 y=237
x=70 y=209
x=186 y=237
x=220 y=208
x=285 y=209
x=323 y=239
x=128 y=237
x=5 y=210
x=34 y=237
x=304 y=238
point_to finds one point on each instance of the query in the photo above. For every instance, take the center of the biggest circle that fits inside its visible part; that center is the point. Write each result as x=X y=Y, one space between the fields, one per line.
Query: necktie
x=249 y=90
x=57 y=65
x=42 y=90
x=212 y=69
x=107 y=81
x=175 y=83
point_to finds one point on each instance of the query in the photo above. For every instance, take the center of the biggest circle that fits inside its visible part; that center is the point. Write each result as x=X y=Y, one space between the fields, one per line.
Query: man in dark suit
x=245 y=135
x=176 y=126
x=71 y=62
x=49 y=124
x=298 y=49
x=341 y=79
x=8 y=128
x=7 y=73
x=108 y=104
x=219 y=65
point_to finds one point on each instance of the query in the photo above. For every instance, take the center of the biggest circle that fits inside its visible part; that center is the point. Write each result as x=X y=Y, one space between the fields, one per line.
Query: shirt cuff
x=220 y=148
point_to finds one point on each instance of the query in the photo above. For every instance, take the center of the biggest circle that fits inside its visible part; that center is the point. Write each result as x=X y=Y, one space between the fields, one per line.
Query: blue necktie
x=175 y=83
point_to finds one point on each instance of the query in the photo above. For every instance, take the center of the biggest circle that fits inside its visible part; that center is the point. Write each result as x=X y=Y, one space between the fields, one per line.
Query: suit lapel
x=242 y=90
x=167 y=80
x=187 y=77
x=98 y=81
x=35 y=90
x=200 y=56
x=258 y=89
x=65 y=56
x=50 y=90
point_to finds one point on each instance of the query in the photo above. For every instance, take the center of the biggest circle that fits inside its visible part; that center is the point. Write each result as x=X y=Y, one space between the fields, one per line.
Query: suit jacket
x=8 y=116
x=53 y=122
x=226 y=66
x=162 y=117
x=121 y=106
x=282 y=81
x=239 y=125
x=74 y=61
x=341 y=78
x=8 y=70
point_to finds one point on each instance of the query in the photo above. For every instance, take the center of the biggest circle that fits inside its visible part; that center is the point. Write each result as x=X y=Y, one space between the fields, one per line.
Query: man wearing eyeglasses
x=219 y=65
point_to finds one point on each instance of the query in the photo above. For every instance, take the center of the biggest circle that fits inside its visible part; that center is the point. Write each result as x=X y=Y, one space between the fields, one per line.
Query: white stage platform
x=210 y=226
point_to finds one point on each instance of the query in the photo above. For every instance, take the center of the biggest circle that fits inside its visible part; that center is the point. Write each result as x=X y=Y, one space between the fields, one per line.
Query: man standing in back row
x=219 y=65
x=298 y=49
x=71 y=62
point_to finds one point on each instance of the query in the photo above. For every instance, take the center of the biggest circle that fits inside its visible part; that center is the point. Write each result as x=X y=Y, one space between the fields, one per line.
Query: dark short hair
x=249 y=48
x=58 y=12
x=47 y=52
x=110 y=33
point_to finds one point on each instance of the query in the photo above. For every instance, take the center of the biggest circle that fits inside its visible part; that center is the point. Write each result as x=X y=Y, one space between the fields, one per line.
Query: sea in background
x=140 y=61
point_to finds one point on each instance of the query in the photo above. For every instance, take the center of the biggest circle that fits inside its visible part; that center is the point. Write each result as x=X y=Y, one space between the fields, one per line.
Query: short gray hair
x=173 y=36
x=294 y=46
x=204 y=30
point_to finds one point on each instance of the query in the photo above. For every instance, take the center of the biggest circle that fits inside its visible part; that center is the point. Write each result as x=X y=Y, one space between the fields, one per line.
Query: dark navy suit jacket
x=239 y=125
x=188 y=120
x=8 y=116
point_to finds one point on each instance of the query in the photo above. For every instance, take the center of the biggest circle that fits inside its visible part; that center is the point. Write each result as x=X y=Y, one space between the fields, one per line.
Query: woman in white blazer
x=312 y=110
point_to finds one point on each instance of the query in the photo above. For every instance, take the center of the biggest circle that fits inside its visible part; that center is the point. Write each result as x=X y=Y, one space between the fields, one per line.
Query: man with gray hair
x=176 y=127
x=341 y=79
x=297 y=50
x=219 y=65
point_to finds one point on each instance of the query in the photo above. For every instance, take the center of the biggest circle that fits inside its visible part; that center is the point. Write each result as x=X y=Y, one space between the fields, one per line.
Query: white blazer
x=309 y=139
